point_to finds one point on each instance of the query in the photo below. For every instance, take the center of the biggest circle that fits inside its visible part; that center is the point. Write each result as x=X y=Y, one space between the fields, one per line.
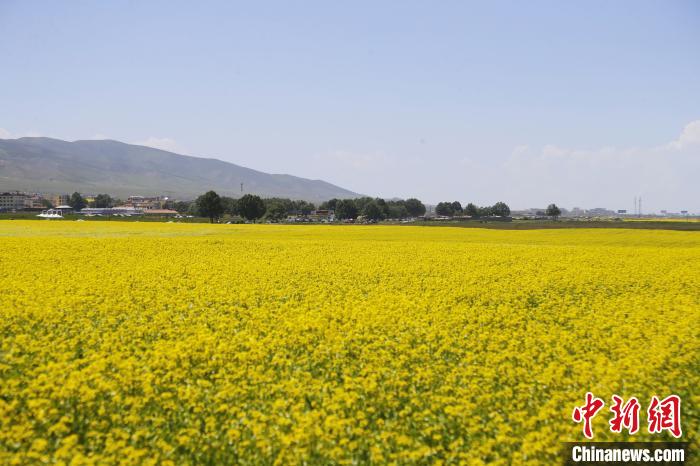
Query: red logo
x=587 y=412
x=661 y=415
x=626 y=416
x=665 y=415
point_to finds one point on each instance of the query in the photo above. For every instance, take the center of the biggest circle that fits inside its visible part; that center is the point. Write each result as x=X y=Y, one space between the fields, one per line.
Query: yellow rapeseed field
x=145 y=343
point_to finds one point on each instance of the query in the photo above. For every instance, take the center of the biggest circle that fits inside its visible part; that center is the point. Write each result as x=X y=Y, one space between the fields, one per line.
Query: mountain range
x=40 y=164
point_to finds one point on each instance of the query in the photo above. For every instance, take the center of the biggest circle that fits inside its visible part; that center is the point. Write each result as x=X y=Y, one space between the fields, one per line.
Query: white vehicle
x=51 y=213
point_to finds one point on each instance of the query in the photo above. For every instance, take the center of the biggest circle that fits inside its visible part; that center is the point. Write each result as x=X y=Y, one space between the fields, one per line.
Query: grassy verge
x=550 y=224
x=641 y=224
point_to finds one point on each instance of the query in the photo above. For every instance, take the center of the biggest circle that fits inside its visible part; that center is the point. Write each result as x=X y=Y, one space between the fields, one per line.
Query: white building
x=12 y=201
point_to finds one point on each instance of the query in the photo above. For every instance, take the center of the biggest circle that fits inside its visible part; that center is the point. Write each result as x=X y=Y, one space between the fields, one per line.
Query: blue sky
x=580 y=103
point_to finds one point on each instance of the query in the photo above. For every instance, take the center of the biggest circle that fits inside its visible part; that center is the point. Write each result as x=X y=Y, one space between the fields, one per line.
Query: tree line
x=78 y=202
x=375 y=208
x=252 y=207
x=500 y=209
x=452 y=209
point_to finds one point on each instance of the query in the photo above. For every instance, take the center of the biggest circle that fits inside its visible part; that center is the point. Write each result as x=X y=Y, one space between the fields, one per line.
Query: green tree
x=373 y=211
x=209 y=205
x=414 y=207
x=471 y=210
x=501 y=209
x=484 y=211
x=456 y=208
x=361 y=202
x=444 y=208
x=305 y=208
x=182 y=207
x=345 y=208
x=397 y=210
x=103 y=200
x=329 y=205
x=383 y=205
x=230 y=205
x=276 y=210
x=193 y=209
x=77 y=202
x=251 y=207
x=47 y=203
x=553 y=211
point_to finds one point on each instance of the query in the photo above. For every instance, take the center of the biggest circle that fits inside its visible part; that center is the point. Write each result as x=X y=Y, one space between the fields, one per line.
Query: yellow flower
x=154 y=343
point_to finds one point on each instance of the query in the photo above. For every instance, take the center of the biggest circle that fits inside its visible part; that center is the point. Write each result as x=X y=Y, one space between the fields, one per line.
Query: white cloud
x=689 y=137
x=164 y=144
x=5 y=134
x=609 y=176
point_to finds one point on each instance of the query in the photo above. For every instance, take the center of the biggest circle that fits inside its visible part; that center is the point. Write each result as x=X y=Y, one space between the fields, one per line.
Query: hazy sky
x=585 y=104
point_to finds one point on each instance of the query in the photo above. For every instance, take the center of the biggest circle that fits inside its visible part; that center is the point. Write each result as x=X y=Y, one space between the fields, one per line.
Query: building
x=161 y=212
x=59 y=199
x=143 y=202
x=600 y=212
x=12 y=201
x=65 y=209
x=322 y=215
x=34 y=202
x=110 y=211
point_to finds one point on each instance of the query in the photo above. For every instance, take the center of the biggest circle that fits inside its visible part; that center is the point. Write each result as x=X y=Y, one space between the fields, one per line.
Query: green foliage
x=77 y=202
x=193 y=209
x=303 y=207
x=414 y=207
x=277 y=209
x=103 y=201
x=383 y=206
x=501 y=209
x=182 y=206
x=346 y=209
x=209 y=205
x=329 y=205
x=251 y=207
x=444 y=208
x=397 y=209
x=553 y=211
x=484 y=211
x=373 y=211
x=361 y=202
x=230 y=205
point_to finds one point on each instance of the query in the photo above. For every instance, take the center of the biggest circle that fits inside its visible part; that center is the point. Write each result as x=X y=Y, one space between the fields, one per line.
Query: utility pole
x=241 y=187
